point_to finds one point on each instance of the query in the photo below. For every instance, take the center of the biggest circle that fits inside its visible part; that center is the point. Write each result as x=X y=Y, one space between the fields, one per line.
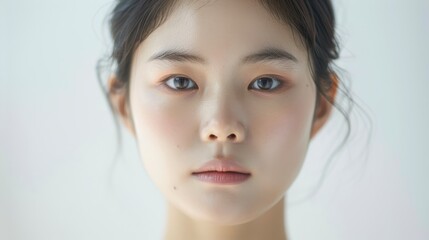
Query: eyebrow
x=266 y=54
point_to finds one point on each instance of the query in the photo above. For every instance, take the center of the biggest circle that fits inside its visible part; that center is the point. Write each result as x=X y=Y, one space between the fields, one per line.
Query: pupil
x=264 y=83
x=180 y=82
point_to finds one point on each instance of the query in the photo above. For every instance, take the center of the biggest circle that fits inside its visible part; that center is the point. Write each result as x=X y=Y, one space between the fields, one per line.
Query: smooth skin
x=221 y=110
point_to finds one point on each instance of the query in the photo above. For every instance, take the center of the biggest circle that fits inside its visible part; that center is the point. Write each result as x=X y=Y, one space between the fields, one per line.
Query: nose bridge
x=221 y=116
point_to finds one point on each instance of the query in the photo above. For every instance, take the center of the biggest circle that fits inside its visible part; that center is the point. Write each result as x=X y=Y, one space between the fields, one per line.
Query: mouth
x=222 y=170
x=222 y=165
x=226 y=172
x=219 y=177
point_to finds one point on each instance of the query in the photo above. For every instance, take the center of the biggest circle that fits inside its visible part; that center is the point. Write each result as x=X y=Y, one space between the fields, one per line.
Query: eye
x=267 y=83
x=180 y=83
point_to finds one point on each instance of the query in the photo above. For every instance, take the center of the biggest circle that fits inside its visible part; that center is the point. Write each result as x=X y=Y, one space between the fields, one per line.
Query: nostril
x=232 y=136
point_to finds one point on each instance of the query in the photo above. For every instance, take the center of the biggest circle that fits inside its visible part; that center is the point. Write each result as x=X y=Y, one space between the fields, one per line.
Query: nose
x=223 y=124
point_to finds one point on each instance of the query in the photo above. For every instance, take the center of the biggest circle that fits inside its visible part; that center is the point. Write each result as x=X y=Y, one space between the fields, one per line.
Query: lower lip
x=222 y=177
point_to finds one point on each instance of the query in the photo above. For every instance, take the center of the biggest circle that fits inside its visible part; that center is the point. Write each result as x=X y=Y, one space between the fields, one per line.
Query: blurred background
x=59 y=179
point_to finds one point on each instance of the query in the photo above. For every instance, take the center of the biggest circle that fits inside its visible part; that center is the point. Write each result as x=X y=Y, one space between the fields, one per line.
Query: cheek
x=164 y=130
x=162 y=121
x=291 y=127
x=283 y=139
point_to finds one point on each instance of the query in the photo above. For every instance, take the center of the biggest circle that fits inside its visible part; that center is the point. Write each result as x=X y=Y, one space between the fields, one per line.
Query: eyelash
x=279 y=85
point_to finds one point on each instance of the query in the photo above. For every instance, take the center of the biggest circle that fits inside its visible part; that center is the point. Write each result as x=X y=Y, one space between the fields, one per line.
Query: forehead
x=219 y=28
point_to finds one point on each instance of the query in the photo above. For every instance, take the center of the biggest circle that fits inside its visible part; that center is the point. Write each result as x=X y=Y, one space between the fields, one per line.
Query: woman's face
x=267 y=101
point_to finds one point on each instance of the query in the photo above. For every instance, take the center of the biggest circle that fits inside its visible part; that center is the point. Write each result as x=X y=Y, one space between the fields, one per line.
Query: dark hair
x=132 y=21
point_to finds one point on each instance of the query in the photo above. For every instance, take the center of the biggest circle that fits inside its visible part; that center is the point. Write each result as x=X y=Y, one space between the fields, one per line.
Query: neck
x=270 y=225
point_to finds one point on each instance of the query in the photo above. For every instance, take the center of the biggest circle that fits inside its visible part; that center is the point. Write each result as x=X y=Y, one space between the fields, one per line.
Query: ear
x=118 y=98
x=324 y=108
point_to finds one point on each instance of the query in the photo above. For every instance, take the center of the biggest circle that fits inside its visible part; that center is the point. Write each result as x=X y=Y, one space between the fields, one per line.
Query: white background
x=57 y=135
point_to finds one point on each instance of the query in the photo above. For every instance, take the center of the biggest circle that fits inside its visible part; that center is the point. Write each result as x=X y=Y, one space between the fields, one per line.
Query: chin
x=222 y=215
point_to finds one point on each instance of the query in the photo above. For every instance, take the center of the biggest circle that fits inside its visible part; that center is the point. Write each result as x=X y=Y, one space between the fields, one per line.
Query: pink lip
x=221 y=164
x=222 y=177
x=222 y=170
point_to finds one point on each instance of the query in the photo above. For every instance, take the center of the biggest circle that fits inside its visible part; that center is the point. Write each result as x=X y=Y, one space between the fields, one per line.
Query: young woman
x=223 y=98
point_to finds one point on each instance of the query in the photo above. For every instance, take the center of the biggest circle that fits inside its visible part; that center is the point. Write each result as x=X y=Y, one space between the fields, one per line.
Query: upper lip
x=222 y=164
